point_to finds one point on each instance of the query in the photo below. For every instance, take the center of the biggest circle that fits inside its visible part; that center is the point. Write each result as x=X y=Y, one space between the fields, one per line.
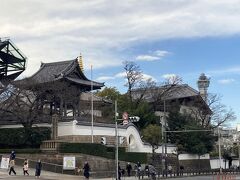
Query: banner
x=69 y=163
x=4 y=162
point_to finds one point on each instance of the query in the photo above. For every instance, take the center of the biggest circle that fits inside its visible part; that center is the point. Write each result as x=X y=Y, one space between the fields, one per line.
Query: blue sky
x=181 y=37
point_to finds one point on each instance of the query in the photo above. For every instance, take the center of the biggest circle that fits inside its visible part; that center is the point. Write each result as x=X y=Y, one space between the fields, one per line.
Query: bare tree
x=134 y=77
x=165 y=90
x=212 y=113
x=140 y=89
x=19 y=104
x=29 y=103
x=221 y=115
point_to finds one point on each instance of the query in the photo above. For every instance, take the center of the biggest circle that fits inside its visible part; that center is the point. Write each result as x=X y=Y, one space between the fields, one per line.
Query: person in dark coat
x=181 y=170
x=119 y=172
x=86 y=169
x=147 y=170
x=38 y=169
x=129 y=169
x=139 y=169
x=12 y=155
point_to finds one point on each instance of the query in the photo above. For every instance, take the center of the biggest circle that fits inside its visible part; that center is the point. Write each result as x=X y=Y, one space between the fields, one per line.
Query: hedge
x=23 y=137
x=102 y=151
x=21 y=151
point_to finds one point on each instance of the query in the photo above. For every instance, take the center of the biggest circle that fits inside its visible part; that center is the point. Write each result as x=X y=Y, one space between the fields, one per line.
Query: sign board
x=125 y=118
x=4 y=162
x=69 y=163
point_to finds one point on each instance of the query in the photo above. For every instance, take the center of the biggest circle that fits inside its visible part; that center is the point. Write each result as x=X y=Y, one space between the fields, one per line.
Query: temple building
x=62 y=89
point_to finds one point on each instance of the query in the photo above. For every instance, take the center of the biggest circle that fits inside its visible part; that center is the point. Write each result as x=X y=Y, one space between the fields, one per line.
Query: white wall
x=192 y=156
x=134 y=141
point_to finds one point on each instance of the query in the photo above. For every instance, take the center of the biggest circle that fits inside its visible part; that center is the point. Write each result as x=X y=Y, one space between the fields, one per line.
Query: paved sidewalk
x=45 y=175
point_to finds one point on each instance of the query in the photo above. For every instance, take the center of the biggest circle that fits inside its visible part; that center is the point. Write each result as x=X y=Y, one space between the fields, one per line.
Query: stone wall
x=110 y=140
x=100 y=167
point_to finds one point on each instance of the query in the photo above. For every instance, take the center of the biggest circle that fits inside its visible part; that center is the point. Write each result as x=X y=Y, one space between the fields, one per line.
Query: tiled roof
x=167 y=92
x=54 y=71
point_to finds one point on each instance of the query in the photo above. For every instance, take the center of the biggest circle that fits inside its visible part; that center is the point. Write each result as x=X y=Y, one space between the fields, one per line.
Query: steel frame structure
x=12 y=61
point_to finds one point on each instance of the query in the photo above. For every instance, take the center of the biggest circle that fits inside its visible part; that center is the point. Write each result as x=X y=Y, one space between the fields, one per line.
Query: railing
x=50 y=145
x=56 y=168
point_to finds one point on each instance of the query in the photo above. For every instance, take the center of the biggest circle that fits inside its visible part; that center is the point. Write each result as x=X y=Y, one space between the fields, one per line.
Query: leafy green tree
x=110 y=93
x=196 y=142
x=153 y=135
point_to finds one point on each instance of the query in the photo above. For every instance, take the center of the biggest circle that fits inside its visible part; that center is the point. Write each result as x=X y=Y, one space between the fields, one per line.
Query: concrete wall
x=133 y=140
x=192 y=156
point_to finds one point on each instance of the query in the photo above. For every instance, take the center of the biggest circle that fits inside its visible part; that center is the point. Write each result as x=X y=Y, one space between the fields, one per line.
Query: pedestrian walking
x=139 y=168
x=12 y=155
x=129 y=169
x=11 y=167
x=25 y=167
x=86 y=170
x=152 y=171
x=181 y=170
x=119 y=172
x=170 y=170
x=147 y=170
x=38 y=169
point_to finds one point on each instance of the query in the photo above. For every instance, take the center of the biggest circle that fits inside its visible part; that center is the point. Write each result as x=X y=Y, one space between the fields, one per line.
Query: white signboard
x=4 y=162
x=69 y=163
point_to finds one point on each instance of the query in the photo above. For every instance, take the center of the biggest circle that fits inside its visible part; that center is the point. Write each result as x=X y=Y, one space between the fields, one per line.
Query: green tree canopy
x=196 y=142
x=110 y=93
x=153 y=135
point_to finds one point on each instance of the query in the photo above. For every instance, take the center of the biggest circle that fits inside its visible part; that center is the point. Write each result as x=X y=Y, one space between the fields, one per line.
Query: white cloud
x=230 y=70
x=147 y=77
x=226 y=81
x=161 y=53
x=156 y=55
x=104 y=78
x=95 y=28
x=120 y=75
x=146 y=58
x=169 y=76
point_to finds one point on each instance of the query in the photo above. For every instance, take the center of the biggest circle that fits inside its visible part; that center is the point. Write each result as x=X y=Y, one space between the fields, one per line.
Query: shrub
x=102 y=151
x=21 y=151
x=23 y=137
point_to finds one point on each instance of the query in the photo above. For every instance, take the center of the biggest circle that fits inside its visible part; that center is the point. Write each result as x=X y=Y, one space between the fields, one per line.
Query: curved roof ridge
x=68 y=68
x=58 y=62
x=43 y=65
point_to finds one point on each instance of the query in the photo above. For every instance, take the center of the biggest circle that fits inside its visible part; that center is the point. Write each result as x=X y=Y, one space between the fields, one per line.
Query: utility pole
x=91 y=104
x=219 y=151
x=116 y=140
x=238 y=153
x=162 y=121
x=165 y=134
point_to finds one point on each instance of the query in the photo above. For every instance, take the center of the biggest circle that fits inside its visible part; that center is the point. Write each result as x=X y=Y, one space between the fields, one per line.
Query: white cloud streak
x=122 y=75
x=226 y=81
x=156 y=55
x=169 y=76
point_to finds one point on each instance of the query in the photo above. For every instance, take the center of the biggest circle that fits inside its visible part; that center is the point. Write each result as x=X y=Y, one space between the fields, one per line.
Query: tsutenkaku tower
x=203 y=84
